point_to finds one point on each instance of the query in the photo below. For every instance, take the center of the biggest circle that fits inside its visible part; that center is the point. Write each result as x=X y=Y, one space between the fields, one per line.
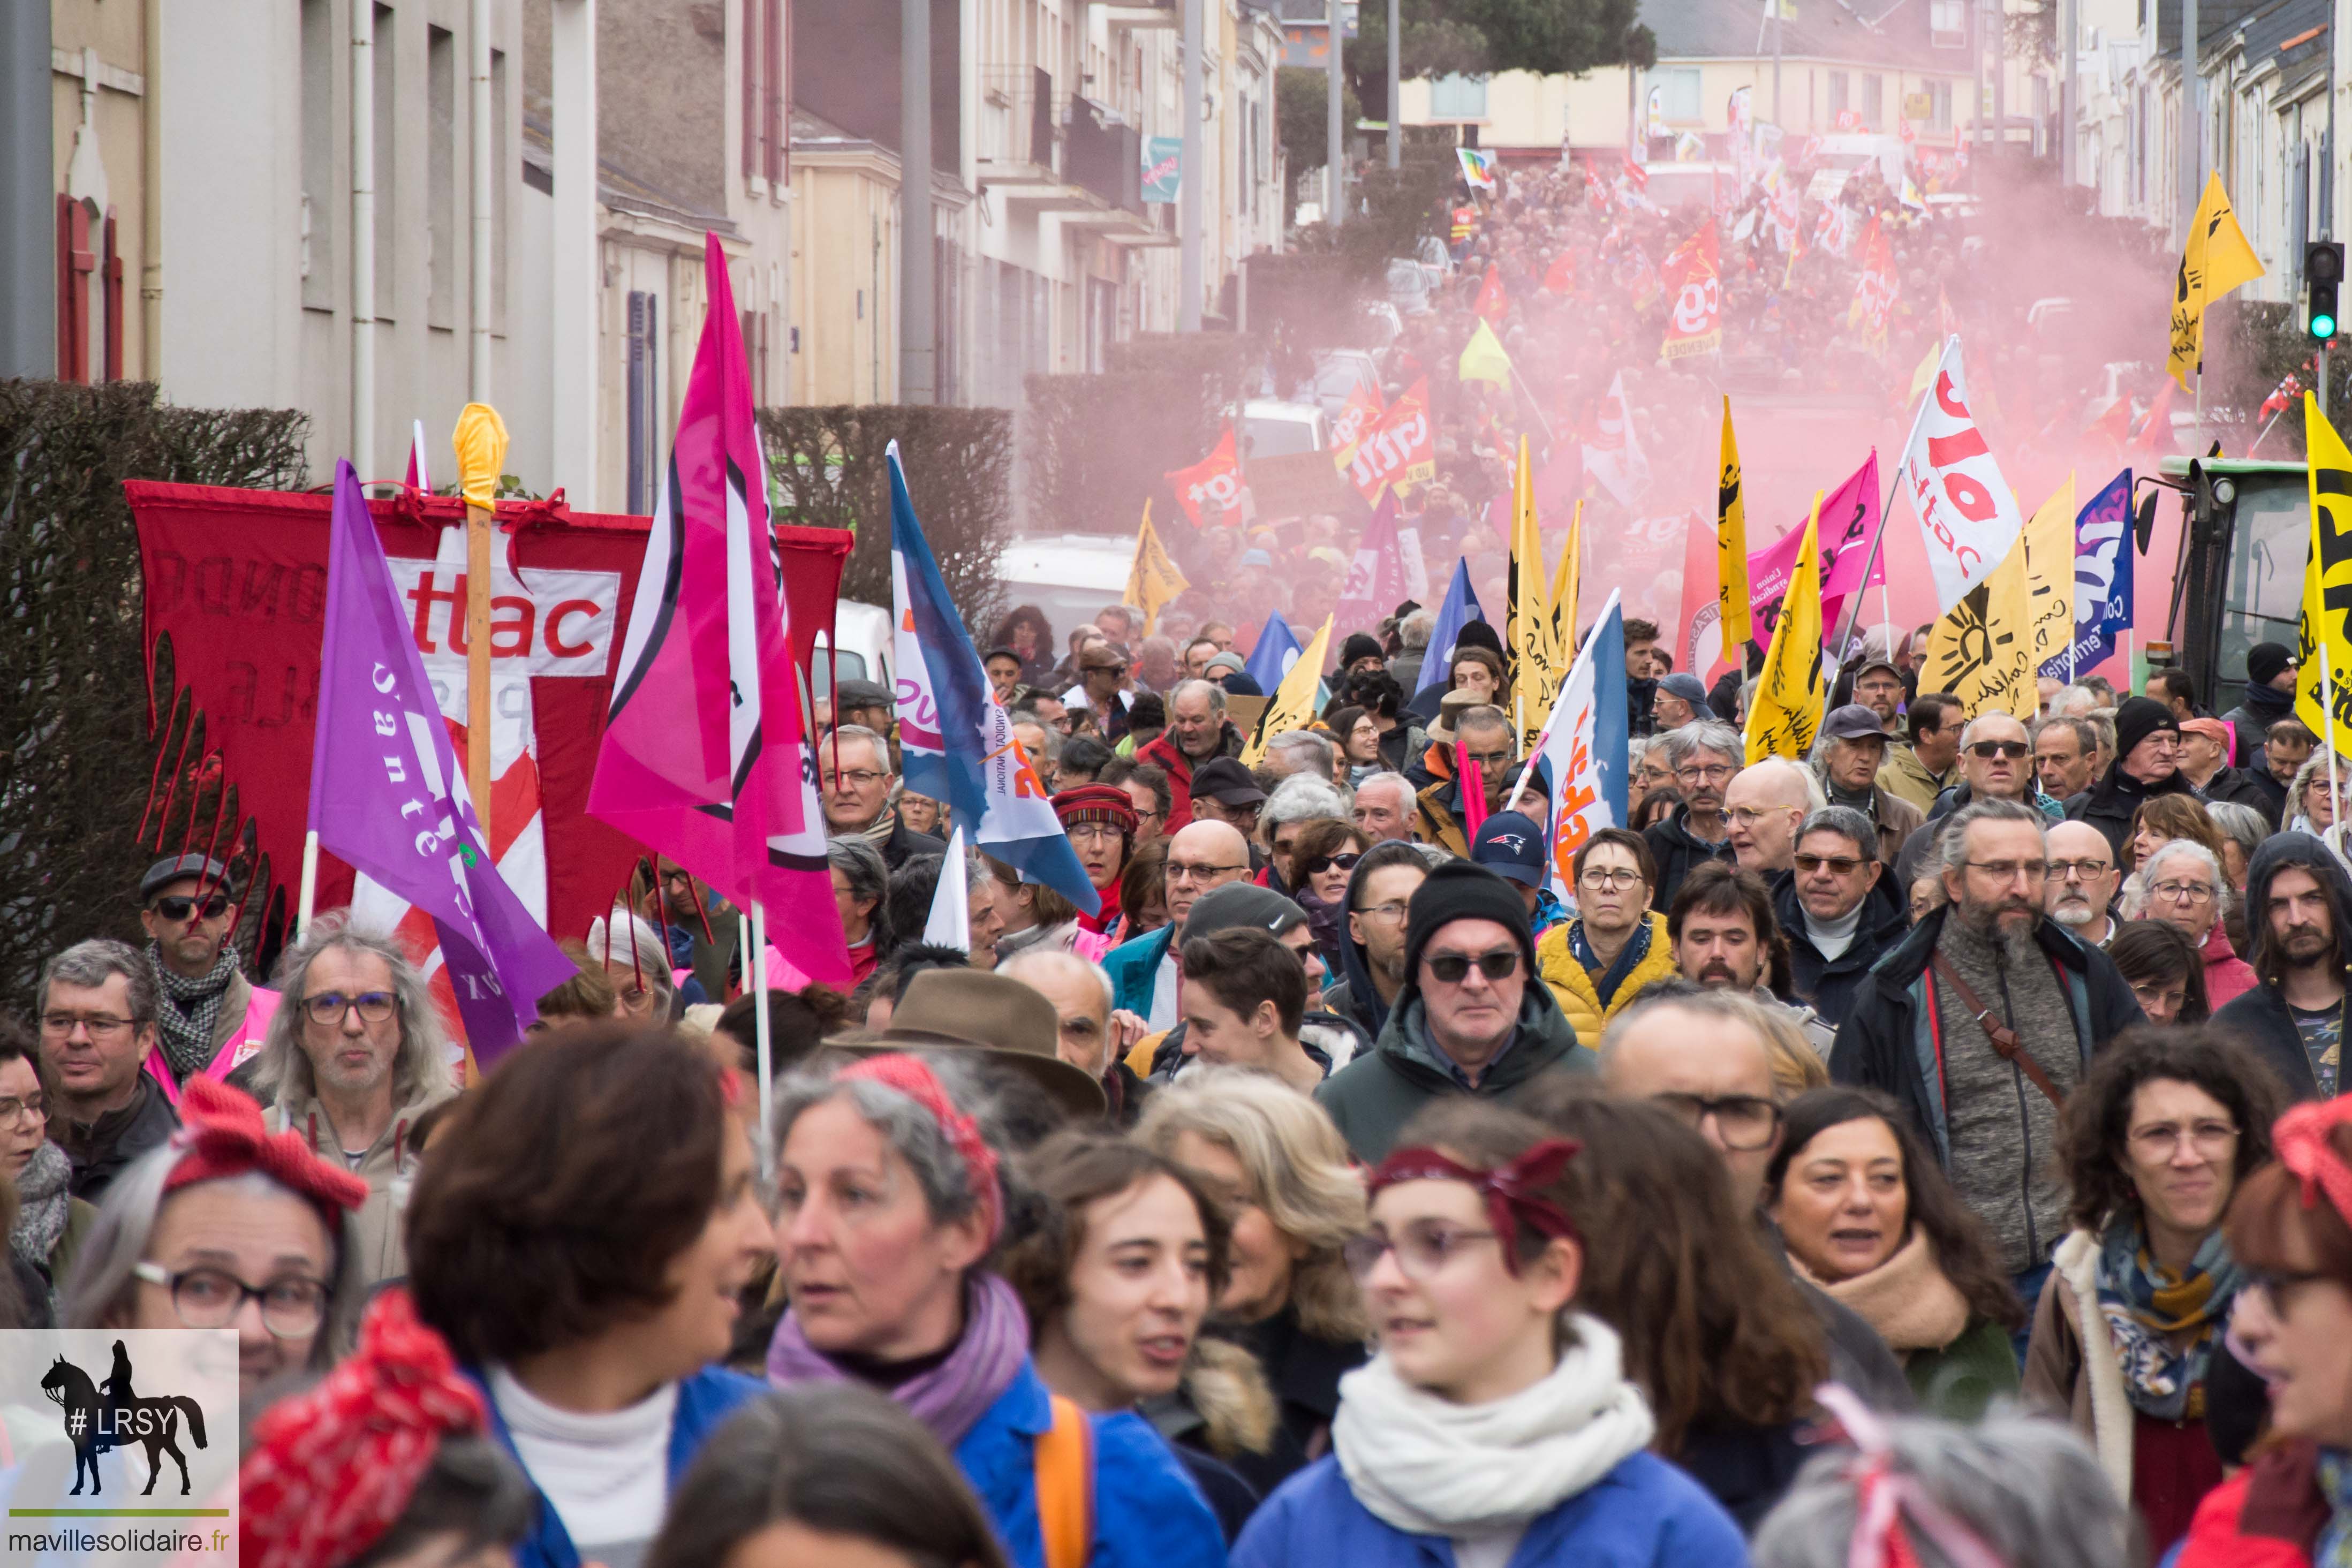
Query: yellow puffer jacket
x=1573 y=989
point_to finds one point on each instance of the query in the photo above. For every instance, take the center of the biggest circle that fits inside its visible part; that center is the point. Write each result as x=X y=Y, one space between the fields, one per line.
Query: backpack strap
x=1064 y=1459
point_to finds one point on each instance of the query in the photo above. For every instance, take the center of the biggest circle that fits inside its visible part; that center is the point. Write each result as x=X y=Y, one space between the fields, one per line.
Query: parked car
x=863 y=632
x=1068 y=576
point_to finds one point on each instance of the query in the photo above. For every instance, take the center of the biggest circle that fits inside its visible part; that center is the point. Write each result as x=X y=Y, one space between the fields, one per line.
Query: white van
x=1070 y=577
x=864 y=634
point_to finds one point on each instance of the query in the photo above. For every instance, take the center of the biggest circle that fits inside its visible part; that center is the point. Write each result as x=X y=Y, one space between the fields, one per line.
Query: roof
x=616 y=187
x=1886 y=34
x=2264 y=30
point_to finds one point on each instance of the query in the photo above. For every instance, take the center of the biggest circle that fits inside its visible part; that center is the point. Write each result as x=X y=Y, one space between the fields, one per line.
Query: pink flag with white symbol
x=1376 y=578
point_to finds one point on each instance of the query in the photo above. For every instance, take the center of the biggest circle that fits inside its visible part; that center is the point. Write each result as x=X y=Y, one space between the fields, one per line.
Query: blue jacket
x=1133 y=968
x=1148 y=1512
x=704 y=1403
x=1643 y=1514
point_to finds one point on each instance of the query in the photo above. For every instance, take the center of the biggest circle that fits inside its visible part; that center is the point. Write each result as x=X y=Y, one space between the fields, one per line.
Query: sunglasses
x=1840 y=865
x=1453 y=968
x=1316 y=865
x=1989 y=749
x=178 y=908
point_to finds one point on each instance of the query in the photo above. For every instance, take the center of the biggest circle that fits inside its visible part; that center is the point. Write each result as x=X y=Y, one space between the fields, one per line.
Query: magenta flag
x=703 y=759
x=388 y=793
x=1375 y=582
x=1850 y=519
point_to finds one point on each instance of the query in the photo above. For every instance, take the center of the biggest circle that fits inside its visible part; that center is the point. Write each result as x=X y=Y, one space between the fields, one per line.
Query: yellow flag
x=2327 y=580
x=1787 y=711
x=2049 y=576
x=1982 y=650
x=1154 y=580
x=1531 y=609
x=1483 y=359
x=1293 y=707
x=1730 y=553
x=1564 y=586
x=2215 y=260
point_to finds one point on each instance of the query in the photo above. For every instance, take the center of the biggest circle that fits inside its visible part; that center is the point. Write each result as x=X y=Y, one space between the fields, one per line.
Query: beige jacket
x=388 y=1168
x=1907 y=777
x=2071 y=1368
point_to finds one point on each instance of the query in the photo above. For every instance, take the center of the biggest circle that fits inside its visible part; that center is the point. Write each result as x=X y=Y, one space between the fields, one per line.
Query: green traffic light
x=2323 y=327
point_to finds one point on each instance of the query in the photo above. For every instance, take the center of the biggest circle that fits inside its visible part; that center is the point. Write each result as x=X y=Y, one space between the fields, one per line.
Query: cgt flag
x=1694 y=284
x=1787 y=711
x=1969 y=519
x=702 y=759
x=954 y=738
x=2102 y=579
x=1584 y=748
x=2326 y=656
x=1213 y=487
x=388 y=796
x=1154 y=579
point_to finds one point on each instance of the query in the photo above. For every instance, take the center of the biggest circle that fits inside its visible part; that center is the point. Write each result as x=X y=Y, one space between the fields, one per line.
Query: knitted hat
x=2266 y=662
x=1242 y=903
x=1360 y=646
x=1097 y=803
x=1460 y=890
x=2139 y=718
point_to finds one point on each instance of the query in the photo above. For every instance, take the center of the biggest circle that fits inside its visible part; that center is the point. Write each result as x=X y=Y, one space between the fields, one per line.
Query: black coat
x=108 y=1146
x=2261 y=1020
x=2261 y=1017
x=2250 y=722
x=2110 y=804
x=2246 y=787
x=1827 y=985
x=904 y=844
x=1676 y=852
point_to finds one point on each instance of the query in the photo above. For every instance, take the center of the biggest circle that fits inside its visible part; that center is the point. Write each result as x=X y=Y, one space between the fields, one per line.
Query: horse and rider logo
x=115 y=1417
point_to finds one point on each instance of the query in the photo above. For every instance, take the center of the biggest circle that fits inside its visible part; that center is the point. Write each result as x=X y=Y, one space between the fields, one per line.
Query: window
x=1678 y=93
x=1841 y=98
x=1939 y=100
x=764 y=51
x=441 y=178
x=89 y=294
x=1874 y=100
x=1948 y=24
x=644 y=406
x=1457 y=98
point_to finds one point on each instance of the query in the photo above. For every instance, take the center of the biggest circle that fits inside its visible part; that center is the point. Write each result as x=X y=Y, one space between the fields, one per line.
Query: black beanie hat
x=2139 y=718
x=1463 y=890
x=1360 y=646
x=2265 y=662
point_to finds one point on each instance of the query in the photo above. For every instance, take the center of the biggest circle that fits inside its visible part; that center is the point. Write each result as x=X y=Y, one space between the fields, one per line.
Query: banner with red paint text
x=1874 y=291
x=1212 y=489
x=1849 y=519
x=1694 y=296
x=1968 y=517
x=1399 y=450
x=1359 y=414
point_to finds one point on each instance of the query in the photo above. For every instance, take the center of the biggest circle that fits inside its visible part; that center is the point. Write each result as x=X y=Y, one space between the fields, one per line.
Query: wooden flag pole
x=481 y=445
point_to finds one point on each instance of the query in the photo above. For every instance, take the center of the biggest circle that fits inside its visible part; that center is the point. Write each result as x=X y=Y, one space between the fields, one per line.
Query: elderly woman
x=2180 y=882
x=1297 y=800
x=2164 y=970
x=2310 y=804
x=861 y=896
x=2242 y=831
x=890 y=1201
x=226 y=1227
x=2157 y=1138
x=1099 y=822
x=1500 y=1416
x=2163 y=818
x=919 y=813
x=1870 y=1217
x=1280 y=1170
x=637 y=963
x=583 y=1238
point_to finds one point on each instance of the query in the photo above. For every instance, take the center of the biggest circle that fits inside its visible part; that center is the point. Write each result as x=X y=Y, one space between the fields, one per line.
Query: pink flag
x=1375 y=582
x=702 y=758
x=1850 y=517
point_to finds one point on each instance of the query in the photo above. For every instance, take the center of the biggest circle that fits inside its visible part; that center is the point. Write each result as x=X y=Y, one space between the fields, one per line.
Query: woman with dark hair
x=1143 y=891
x=1715 y=1331
x=1497 y=1415
x=1359 y=735
x=2164 y=970
x=827 y=1473
x=1025 y=631
x=1871 y=1218
x=583 y=1238
x=2163 y=818
x=890 y=1203
x=2160 y=1133
x=1658 y=806
x=1322 y=858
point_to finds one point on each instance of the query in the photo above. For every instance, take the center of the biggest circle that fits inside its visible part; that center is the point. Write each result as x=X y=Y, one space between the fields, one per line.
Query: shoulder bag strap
x=2005 y=1039
x=1064 y=1459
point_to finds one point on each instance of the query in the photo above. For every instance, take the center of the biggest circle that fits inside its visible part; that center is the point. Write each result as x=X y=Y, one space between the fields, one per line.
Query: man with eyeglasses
x=2080 y=884
x=2299 y=933
x=1473 y=732
x=1144 y=970
x=853 y=778
x=1878 y=686
x=1471 y=1019
x=97 y=1008
x=1703 y=757
x=2147 y=763
x=1981 y=1022
x=1616 y=947
x=208 y=1016
x=1102 y=681
x=1371 y=955
x=1839 y=913
x=1852 y=751
x=1996 y=764
x=1763 y=804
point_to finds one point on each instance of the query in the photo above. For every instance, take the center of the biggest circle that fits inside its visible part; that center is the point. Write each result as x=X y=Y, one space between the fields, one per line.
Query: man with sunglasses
x=209 y=1017
x=1996 y=764
x=1839 y=913
x=1471 y=1017
x=1103 y=682
x=2147 y=763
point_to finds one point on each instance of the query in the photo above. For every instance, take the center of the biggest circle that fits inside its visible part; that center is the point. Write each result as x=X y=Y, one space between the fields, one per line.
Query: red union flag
x=1695 y=287
x=1361 y=413
x=1874 y=293
x=1493 y=304
x=1214 y=481
x=1400 y=450
x=1968 y=517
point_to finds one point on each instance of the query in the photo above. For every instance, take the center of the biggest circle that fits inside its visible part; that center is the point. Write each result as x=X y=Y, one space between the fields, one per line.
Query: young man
x=1617 y=947
x=2269 y=698
x=1372 y=959
x=1919 y=771
x=1244 y=998
x=1724 y=938
x=2299 y=924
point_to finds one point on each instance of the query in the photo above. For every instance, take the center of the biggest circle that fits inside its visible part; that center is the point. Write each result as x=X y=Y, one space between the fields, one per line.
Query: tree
x=1302 y=98
x=1476 y=38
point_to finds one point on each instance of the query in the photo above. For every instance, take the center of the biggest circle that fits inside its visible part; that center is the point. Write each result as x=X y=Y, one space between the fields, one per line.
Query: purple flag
x=388 y=794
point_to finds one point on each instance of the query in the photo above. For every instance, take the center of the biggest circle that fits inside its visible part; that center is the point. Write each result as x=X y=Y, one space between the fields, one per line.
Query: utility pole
x=28 y=208
x=918 y=356
x=1188 y=180
x=1335 y=168
x=1778 y=21
x=2192 y=139
x=1396 y=87
x=2068 y=106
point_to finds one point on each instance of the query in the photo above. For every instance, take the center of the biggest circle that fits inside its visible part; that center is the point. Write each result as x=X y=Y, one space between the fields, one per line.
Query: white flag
x=1584 y=746
x=1968 y=519
x=950 y=924
x=1614 y=455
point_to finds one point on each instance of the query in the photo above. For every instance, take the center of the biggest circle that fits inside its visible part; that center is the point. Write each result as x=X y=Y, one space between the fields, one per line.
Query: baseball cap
x=1853 y=722
x=1227 y=782
x=1511 y=846
x=1243 y=904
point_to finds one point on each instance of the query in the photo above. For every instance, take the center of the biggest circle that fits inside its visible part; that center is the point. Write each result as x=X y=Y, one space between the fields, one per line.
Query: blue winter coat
x=1148 y=1512
x=1134 y=969
x=704 y=1403
x=1643 y=1514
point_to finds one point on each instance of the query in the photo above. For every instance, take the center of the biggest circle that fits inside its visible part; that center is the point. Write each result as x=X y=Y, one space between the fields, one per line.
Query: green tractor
x=2237 y=577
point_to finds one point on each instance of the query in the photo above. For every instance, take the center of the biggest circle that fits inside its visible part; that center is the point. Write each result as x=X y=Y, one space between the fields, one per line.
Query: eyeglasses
x=14 y=1111
x=2006 y=871
x=1114 y=670
x=1839 y=865
x=2086 y=870
x=1453 y=968
x=1394 y=910
x=291 y=1308
x=855 y=778
x=1709 y=775
x=1989 y=749
x=177 y=908
x=1749 y=816
x=2183 y=892
x=1489 y=762
x=1744 y=1121
x=328 y=1007
x=102 y=1026
x=1316 y=865
x=2162 y=1140
x=1184 y=871
x=1607 y=879
x=1093 y=832
x=1422 y=1248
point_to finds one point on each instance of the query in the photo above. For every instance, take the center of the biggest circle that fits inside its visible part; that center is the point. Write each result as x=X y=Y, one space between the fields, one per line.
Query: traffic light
x=2323 y=269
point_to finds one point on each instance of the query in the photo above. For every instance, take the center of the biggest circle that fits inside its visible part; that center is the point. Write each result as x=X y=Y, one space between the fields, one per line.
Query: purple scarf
x=951 y=1397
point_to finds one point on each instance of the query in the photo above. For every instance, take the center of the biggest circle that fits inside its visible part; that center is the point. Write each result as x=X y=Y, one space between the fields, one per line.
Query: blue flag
x=1461 y=608
x=1277 y=649
x=954 y=738
x=2102 y=579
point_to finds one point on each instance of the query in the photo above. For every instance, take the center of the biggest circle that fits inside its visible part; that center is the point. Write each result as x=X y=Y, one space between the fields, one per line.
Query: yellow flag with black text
x=1154 y=581
x=2215 y=259
x=2326 y=580
x=1730 y=553
x=1293 y=705
x=1982 y=650
x=1566 y=580
x=2050 y=577
x=1530 y=607
x=1787 y=711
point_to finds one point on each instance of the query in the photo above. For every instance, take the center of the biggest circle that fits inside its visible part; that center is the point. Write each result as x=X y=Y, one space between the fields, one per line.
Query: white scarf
x=1430 y=1466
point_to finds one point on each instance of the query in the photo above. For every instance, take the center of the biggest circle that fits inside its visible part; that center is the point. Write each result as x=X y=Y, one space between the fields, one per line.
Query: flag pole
x=760 y=1031
x=2327 y=720
x=742 y=952
x=1887 y=509
x=481 y=445
x=309 y=891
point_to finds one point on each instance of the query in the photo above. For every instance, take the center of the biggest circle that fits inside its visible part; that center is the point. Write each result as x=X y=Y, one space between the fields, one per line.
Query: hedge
x=1095 y=447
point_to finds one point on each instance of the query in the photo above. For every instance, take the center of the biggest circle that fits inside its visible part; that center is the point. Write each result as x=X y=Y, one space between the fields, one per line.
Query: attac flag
x=1786 y=713
x=1460 y=609
x=1849 y=520
x=1612 y=455
x=1982 y=650
x=1968 y=519
x=1293 y=705
x=955 y=742
x=2049 y=576
x=1529 y=643
x=2215 y=260
x=702 y=758
x=1493 y=305
x=2326 y=583
x=1874 y=290
x=1376 y=578
x=1483 y=359
x=1731 y=550
x=2102 y=579
x=1211 y=488
x=1400 y=450
x=1584 y=746
x=1154 y=580
x=1358 y=416
x=388 y=792
x=1273 y=655
x=1695 y=289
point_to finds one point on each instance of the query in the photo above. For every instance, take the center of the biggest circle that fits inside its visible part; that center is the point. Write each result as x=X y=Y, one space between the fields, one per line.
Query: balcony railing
x=1016 y=124
x=1103 y=156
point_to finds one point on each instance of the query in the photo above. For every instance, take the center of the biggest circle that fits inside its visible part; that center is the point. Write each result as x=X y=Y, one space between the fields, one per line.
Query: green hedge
x=1095 y=447
x=76 y=751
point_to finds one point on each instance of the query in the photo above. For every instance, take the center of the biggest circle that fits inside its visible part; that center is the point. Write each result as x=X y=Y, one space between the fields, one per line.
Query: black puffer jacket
x=2110 y=804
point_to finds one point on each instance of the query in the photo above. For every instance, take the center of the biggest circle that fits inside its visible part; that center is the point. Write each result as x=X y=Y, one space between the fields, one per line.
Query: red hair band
x=1890 y=1504
x=1512 y=1191
x=2301 y=1139
x=910 y=1077
x=223 y=1135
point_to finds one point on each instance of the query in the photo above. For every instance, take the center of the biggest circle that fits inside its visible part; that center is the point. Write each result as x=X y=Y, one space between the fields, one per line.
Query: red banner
x=1401 y=449
x=237 y=579
x=1214 y=481
x=1694 y=286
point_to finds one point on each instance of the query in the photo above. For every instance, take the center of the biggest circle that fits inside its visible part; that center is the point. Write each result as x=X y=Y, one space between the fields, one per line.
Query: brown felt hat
x=972 y=1010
